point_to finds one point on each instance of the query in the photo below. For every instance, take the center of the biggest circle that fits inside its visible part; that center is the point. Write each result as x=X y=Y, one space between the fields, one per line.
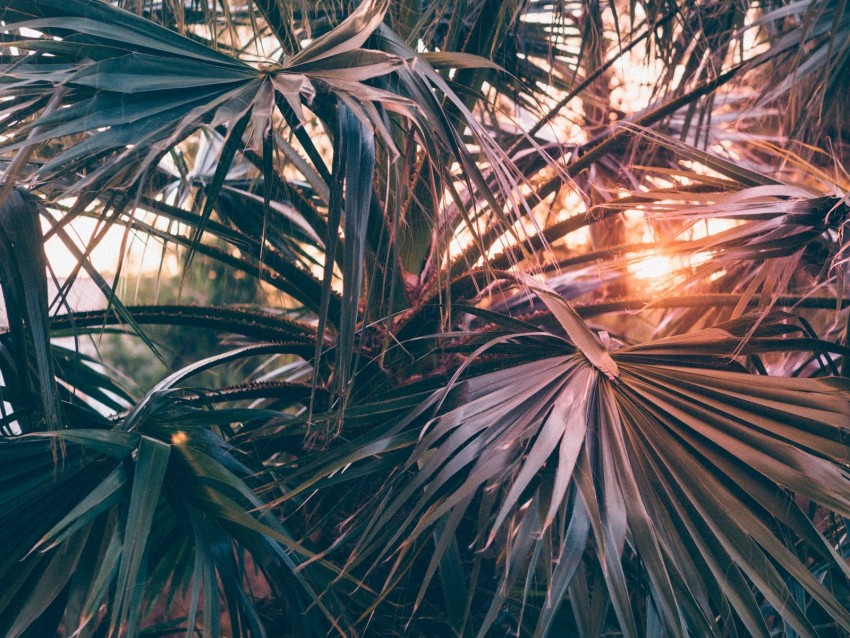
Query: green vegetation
x=491 y=318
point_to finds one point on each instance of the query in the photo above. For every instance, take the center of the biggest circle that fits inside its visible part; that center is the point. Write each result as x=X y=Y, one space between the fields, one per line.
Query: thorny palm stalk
x=441 y=410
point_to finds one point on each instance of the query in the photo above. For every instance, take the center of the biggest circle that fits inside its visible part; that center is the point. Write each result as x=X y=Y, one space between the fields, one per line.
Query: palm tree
x=455 y=403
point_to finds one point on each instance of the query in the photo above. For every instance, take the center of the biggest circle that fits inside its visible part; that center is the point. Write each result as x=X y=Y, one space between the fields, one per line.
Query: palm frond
x=676 y=463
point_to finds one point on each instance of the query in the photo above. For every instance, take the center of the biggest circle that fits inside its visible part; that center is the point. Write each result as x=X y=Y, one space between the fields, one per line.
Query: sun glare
x=657 y=268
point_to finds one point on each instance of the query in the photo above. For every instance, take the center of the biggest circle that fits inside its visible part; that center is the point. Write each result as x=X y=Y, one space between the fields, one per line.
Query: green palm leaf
x=359 y=381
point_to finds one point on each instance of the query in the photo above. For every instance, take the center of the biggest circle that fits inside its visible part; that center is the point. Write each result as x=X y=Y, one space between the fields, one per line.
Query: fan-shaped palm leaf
x=672 y=460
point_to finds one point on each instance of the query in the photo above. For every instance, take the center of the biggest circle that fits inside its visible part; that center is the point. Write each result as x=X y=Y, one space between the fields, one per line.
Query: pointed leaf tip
x=582 y=337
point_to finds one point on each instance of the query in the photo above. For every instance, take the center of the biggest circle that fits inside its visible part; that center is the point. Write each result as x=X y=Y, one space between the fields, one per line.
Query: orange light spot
x=179 y=438
x=656 y=267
